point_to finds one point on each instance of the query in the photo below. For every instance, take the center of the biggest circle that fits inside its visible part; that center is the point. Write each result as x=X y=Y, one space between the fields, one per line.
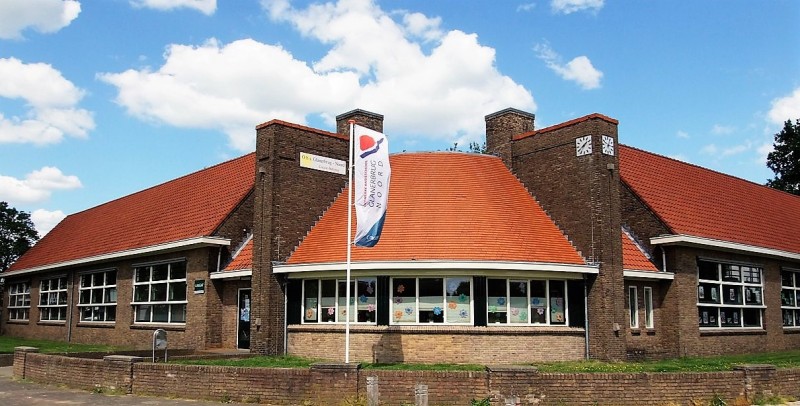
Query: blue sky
x=99 y=99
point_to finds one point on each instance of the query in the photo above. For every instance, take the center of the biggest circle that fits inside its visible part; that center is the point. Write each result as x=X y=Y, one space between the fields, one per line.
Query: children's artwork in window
x=404 y=309
x=458 y=300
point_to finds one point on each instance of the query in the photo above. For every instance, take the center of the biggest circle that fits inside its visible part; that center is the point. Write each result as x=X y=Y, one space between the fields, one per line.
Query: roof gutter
x=439 y=265
x=244 y=273
x=704 y=242
x=179 y=245
x=636 y=274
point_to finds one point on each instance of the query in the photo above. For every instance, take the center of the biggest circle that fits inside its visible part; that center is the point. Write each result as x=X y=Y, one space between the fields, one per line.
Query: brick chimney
x=501 y=127
x=363 y=118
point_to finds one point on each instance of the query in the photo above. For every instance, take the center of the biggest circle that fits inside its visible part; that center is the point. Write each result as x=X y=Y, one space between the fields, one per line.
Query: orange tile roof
x=632 y=256
x=190 y=206
x=447 y=206
x=243 y=260
x=696 y=201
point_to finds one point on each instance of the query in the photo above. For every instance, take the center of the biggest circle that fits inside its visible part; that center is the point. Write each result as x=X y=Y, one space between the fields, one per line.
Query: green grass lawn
x=7 y=345
x=786 y=359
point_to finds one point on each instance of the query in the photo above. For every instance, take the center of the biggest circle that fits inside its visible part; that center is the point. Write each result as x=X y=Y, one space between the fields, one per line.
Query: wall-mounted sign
x=322 y=163
x=199 y=286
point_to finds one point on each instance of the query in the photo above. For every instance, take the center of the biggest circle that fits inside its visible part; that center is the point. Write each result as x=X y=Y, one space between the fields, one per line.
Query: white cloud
x=785 y=108
x=374 y=61
x=572 y=6
x=37 y=185
x=526 y=7
x=763 y=150
x=51 y=101
x=420 y=26
x=44 y=16
x=682 y=134
x=44 y=220
x=709 y=149
x=578 y=70
x=207 y=7
x=718 y=129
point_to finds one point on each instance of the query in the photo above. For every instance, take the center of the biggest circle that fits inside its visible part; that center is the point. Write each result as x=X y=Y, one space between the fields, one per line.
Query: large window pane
x=431 y=300
x=458 y=300
x=558 y=314
x=496 y=301
x=404 y=295
x=538 y=302
x=328 y=301
x=310 y=300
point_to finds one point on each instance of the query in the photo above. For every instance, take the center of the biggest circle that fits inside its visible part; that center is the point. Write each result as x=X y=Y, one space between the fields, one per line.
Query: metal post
x=421 y=395
x=372 y=391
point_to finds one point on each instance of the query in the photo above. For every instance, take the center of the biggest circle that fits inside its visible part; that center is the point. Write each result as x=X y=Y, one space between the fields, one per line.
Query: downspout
x=586 y=316
x=285 y=319
x=663 y=260
x=219 y=258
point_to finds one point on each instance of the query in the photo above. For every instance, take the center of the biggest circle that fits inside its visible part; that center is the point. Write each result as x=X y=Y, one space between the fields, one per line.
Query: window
x=633 y=306
x=790 y=297
x=98 y=296
x=53 y=299
x=325 y=301
x=159 y=293
x=648 y=307
x=522 y=301
x=729 y=295
x=19 y=301
x=431 y=300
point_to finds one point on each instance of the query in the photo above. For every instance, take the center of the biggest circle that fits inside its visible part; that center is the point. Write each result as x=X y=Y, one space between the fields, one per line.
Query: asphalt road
x=19 y=393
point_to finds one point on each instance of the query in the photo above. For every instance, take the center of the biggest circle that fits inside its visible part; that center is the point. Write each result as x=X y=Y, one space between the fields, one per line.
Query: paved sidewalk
x=18 y=393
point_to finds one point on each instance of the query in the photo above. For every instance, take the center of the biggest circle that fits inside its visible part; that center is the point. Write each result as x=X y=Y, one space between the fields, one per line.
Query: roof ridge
x=566 y=124
x=161 y=184
x=707 y=169
x=302 y=127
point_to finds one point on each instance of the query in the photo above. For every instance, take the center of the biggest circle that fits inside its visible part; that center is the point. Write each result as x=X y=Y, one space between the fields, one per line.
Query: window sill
x=97 y=324
x=732 y=332
x=51 y=323
x=19 y=322
x=167 y=327
x=791 y=330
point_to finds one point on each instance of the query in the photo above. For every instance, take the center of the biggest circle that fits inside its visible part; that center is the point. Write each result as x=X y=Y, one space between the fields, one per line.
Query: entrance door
x=243 y=325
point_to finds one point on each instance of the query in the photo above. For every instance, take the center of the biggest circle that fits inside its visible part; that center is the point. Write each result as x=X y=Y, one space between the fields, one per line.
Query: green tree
x=784 y=160
x=17 y=234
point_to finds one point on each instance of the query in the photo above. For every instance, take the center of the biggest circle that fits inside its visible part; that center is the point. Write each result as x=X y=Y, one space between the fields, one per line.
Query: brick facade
x=463 y=345
x=581 y=195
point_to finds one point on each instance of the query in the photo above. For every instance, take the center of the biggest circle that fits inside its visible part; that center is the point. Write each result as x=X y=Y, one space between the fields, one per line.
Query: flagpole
x=349 y=244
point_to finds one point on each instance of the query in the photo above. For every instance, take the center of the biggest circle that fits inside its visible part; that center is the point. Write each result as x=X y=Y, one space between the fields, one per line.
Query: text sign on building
x=322 y=163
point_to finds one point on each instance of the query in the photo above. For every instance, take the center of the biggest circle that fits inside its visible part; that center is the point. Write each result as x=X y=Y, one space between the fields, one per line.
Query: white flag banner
x=371 y=184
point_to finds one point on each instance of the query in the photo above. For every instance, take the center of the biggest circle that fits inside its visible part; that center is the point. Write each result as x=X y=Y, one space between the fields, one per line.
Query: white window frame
x=718 y=307
x=339 y=318
x=792 y=292
x=444 y=307
x=548 y=304
x=648 y=307
x=19 y=301
x=54 y=304
x=152 y=303
x=108 y=297
x=633 y=306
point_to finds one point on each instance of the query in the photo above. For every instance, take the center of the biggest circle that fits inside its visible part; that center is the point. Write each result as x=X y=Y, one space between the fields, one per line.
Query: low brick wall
x=6 y=360
x=333 y=384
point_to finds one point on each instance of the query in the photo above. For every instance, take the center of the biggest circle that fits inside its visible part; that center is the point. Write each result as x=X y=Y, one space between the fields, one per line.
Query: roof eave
x=167 y=247
x=438 y=265
x=241 y=273
x=730 y=246
x=648 y=275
